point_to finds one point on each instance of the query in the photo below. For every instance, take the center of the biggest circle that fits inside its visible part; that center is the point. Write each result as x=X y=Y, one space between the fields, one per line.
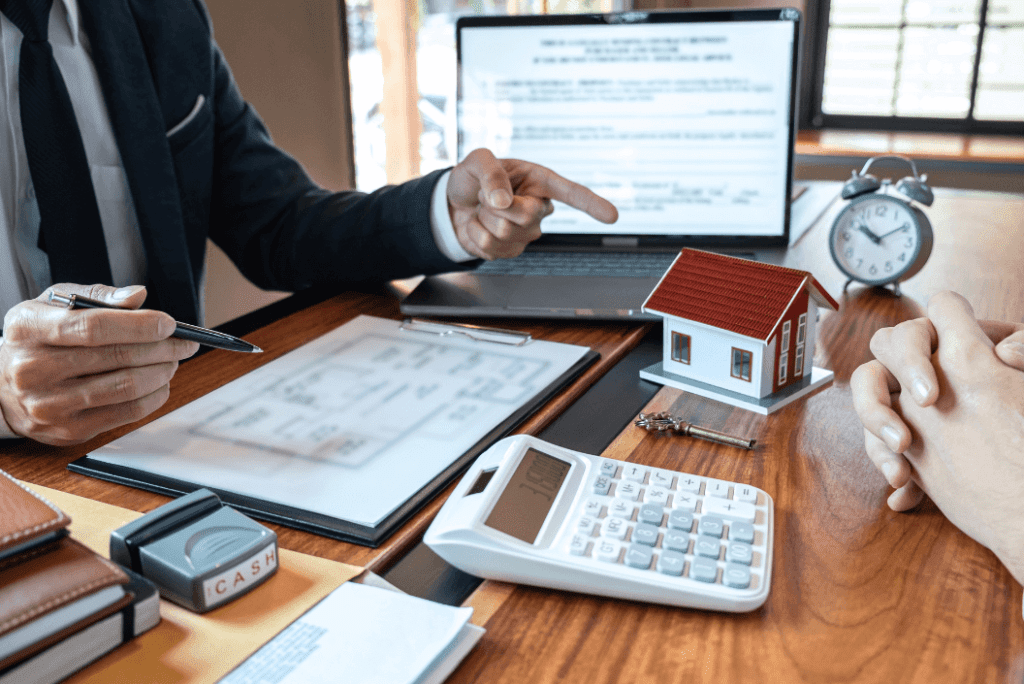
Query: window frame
x=672 y=347
x=815 y=56
x=749 y=364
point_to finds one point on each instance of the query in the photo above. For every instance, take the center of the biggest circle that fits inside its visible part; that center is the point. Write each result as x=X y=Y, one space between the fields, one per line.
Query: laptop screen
x=683 y=120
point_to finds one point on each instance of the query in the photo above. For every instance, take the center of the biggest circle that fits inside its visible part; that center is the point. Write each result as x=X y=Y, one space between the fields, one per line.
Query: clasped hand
x=66 y=376
x=943 y=413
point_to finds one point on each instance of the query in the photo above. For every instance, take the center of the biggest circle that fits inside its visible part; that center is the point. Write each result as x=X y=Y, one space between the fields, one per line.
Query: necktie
x=70 y=231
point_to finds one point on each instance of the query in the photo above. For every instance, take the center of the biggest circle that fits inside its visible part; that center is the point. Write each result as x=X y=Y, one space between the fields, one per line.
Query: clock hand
x=867 y=231
x=882 y=237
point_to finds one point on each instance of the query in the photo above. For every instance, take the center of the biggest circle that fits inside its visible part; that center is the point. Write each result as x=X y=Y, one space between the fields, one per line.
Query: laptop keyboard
x=622 y=264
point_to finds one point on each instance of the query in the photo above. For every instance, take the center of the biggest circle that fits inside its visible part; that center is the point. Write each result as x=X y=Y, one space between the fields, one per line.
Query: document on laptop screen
x=686 y=127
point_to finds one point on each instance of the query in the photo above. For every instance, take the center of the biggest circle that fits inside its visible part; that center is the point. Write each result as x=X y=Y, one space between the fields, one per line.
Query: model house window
x=801 y=339
x=741 y=361
x=783 y=366
x=680 y=347
x=786 y=327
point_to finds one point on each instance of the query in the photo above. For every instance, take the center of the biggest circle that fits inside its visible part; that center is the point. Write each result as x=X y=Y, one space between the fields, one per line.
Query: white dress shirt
x=24 y=268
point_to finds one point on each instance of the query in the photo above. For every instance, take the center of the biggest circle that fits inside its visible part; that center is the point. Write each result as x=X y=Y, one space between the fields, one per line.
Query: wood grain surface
x=859 y=593
x=45 y=465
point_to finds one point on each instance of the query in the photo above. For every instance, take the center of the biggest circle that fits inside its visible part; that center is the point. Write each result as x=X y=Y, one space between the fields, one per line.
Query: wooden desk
x=44 y=465
x=859 y=593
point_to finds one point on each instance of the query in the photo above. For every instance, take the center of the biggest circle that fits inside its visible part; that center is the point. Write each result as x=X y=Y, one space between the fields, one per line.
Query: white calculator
x=531 y=512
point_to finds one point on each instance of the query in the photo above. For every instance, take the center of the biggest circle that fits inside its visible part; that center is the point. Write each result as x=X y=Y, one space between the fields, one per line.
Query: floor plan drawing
x=350 y=425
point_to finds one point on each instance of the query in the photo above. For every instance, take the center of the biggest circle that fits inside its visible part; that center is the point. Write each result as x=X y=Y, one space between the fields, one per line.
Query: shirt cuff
x=5 y=431
x=441 y=223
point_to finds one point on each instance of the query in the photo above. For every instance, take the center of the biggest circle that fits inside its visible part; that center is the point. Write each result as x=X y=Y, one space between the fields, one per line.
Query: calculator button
x=638 y=556
x=627 y=490
x=609 y=467
x=671 y=563
x=689 y=483
x=745 y=493
x=675 y=540
x=703 y=569
x=738 y=552
x=593 y=507
x=634 y=473
x=706 y=546
x=710 y=525
x=660 y=478
x=741 y=532
x=614 y=528
x=740 y=511
x=645 y=534
x=607 y=550
x=717 y=488
x=680 y=520
x=656 y=495
x=736 y=576
x=586 y=525
x=621 y=509
x=651 y=513
x=602 y=484
x=686 y=501
x=578 y=545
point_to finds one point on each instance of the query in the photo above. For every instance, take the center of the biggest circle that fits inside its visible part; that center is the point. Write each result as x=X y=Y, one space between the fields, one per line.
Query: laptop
x=685 y=120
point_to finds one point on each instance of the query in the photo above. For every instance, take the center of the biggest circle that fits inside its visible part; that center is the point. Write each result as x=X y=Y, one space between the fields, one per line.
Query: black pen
x=183 y=331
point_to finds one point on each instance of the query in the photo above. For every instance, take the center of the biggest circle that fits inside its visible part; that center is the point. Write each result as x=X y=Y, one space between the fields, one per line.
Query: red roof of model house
x=739 y=295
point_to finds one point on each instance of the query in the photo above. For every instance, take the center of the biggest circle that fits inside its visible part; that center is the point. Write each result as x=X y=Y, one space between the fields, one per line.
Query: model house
x=738 y=330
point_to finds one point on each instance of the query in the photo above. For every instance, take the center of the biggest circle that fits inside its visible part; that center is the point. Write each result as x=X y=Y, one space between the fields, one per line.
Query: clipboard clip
x=475 y=332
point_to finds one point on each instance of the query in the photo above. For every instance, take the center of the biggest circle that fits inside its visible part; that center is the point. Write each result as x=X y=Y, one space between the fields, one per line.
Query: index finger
x=60 y=327
x=547 y=183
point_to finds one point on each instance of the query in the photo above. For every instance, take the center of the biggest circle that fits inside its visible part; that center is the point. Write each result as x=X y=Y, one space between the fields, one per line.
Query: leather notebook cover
x=44 y=577
x=49 y=581
x=24 y=517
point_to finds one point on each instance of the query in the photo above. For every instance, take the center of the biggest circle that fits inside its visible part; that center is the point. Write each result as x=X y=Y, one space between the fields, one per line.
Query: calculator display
x=524 y=504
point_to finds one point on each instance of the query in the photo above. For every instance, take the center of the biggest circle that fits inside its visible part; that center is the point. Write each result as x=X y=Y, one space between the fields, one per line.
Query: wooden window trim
x=750 y=364
x=672 y=349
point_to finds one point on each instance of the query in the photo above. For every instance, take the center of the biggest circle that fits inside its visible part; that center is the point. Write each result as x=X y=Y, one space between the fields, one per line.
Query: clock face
x=878 y=239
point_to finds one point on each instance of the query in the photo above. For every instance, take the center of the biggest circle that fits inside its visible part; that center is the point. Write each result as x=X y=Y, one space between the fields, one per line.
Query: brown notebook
x=28 y=522
x=43 y=573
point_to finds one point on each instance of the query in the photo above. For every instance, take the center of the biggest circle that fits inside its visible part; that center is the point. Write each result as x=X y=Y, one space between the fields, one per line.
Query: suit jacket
x=220 y=176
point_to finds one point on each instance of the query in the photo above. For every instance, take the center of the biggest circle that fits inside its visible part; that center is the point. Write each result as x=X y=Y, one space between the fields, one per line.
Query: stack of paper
x=362 y=634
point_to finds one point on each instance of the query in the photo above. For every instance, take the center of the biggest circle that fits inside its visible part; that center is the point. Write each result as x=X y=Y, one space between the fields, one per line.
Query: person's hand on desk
x=496 y=205
x=957 y=418
x=66 y=376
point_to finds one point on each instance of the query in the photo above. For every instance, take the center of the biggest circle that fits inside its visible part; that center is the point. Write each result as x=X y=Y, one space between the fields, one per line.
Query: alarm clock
x=881 y=237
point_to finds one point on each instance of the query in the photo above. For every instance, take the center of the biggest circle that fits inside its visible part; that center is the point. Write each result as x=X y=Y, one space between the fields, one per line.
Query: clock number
x=888 y=267
x=881 y=209
x=859 y=262
x=909 y=243
x=845 y=235
x=905 y=226
x=903 y=256
x=849 y=252
x=873 y=270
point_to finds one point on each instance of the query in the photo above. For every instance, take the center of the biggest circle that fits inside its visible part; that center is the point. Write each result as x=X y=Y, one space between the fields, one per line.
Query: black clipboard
x=327 y=526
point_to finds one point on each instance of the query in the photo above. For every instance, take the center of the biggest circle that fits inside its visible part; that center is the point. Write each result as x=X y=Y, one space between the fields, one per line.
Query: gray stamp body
x=199 y=552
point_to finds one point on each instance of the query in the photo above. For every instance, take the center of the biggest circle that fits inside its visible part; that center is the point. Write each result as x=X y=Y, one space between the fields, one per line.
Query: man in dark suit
x=132 y=99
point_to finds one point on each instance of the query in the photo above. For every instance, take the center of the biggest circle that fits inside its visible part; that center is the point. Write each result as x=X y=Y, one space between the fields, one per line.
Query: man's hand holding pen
x=67 y=376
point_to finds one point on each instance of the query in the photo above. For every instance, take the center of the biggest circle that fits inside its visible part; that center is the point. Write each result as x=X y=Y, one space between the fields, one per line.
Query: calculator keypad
x=674 y=524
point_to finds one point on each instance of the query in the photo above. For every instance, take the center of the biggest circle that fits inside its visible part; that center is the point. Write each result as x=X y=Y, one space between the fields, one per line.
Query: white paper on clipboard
x=350 y=425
